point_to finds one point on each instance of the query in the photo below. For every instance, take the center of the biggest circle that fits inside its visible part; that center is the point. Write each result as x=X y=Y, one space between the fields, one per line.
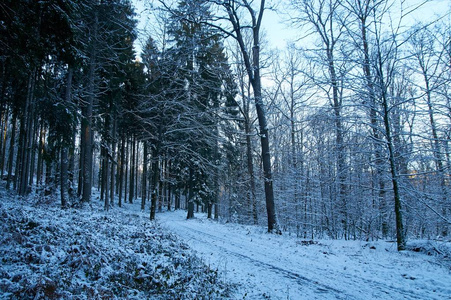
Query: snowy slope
x=50 y=253
x=282 y=267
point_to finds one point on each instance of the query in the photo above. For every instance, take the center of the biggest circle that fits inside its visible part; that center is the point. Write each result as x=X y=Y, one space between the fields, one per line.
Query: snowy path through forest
x=281 y=267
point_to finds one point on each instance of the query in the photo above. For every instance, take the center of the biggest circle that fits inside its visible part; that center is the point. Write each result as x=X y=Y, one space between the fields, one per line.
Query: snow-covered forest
x=342 y=136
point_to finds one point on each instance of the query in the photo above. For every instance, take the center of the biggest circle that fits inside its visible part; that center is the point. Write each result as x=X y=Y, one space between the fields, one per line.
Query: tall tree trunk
x=33 y=149
x=437 y=153
x=48 y=175
x=177 y=200
x=167 y=184
x=266 y=154
x=80 y=162
x=64 y=179
x=12 y=143
x=137 y=174
x=190 y=214
x=20 y=154
x=127 y=158
x=105 y=179
x=253 y=70
x=156 y=172
x=71 y=167
x=132 y=171
x=294 y=166
x=144 y=178
x=27 y=141
x=41 y=146
x=4 y=121
x=4 y=116
x=209 y=209
x=249 y=156
x=87 y=138
x=161 y=185
x=169 y=194
x=87 y=132
x=379 y=160
x=400 y=238
x=121 y=171
x=340 y=151
x=113 y=160
x=102 y=173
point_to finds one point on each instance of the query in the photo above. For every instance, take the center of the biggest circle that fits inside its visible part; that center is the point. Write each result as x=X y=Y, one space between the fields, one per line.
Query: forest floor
x=267 y=266
x=87 y=253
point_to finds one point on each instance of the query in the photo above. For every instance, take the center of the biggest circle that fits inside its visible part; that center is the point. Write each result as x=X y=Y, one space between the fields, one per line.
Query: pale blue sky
x=277 y=33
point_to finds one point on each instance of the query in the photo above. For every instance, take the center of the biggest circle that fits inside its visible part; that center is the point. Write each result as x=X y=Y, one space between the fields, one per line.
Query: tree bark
x=144 y=178
x=80 y=162
x=363 y=11
x=190 y=214
x=11 y=151
x=249 y=157
x=126 y=162
x=167 y=184
x=41 y=147
x=156 y=172
x=132 y=171
x=113 y=160
x=87 y=132
x=105 y=179
x=252 y=65
x=4 y=116
x=27 y=142
x=400 y=238
x=64 y=179
x=121 y=170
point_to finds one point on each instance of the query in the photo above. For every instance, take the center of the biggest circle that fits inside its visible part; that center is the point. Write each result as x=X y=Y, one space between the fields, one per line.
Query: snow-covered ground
x=50 y=253
x=269 y=266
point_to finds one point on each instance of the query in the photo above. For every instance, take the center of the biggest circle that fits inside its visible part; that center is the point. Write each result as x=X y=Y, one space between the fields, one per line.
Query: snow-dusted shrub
x=49 y=253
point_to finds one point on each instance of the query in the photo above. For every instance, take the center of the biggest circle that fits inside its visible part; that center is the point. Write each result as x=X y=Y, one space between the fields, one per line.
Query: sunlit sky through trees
x=278 y=31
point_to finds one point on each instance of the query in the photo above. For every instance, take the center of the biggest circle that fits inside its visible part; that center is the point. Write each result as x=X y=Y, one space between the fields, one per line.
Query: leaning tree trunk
x=400 y=237
x=266 y=153
x=379 y=161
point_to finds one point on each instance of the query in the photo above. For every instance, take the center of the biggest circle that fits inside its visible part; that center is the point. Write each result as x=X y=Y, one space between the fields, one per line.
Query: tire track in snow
x=322 y=288
x=233 y=251
x=199 y=233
